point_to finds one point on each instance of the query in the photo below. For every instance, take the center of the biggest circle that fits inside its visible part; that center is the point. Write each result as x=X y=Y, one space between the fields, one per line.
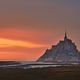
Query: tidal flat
x=71 y=72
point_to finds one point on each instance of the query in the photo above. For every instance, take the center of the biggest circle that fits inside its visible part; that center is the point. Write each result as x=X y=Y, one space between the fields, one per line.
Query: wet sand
x=71 y=72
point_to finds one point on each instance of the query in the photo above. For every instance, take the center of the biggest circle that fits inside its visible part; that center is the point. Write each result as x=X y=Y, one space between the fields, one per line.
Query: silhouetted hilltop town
x=65 y=51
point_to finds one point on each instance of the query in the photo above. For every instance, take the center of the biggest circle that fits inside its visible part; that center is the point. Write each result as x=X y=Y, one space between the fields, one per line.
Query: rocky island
x=64 y=52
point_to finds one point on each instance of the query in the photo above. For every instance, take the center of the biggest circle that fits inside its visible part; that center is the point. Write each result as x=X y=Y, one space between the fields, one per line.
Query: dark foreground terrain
x=57 y=73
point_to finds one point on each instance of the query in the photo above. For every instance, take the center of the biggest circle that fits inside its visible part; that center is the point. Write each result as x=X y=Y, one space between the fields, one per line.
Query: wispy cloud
x=10 y=43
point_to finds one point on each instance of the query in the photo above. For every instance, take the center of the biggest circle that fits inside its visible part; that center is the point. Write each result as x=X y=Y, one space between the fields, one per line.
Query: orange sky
x=29 y=27
x=24 y=44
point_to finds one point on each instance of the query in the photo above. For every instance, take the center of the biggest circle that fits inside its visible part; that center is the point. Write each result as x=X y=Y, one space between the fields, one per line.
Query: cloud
x=18 y=43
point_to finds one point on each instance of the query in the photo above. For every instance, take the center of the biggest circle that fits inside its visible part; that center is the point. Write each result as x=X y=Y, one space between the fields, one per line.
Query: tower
x=65 y=37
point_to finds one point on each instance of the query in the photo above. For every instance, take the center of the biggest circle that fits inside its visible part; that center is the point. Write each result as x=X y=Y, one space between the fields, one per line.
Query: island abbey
x=64 y=52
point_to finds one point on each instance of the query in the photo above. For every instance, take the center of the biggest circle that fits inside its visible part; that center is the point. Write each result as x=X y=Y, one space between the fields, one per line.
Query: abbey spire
x=65 y=37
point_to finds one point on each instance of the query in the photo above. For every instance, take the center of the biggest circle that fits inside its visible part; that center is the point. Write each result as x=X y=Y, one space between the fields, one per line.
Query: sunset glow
x=29 y=27
x=11 y=43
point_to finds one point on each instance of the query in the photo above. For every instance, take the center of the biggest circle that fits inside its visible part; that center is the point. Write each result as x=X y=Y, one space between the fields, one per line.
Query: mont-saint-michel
x=64 y=52
x=29 y=30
